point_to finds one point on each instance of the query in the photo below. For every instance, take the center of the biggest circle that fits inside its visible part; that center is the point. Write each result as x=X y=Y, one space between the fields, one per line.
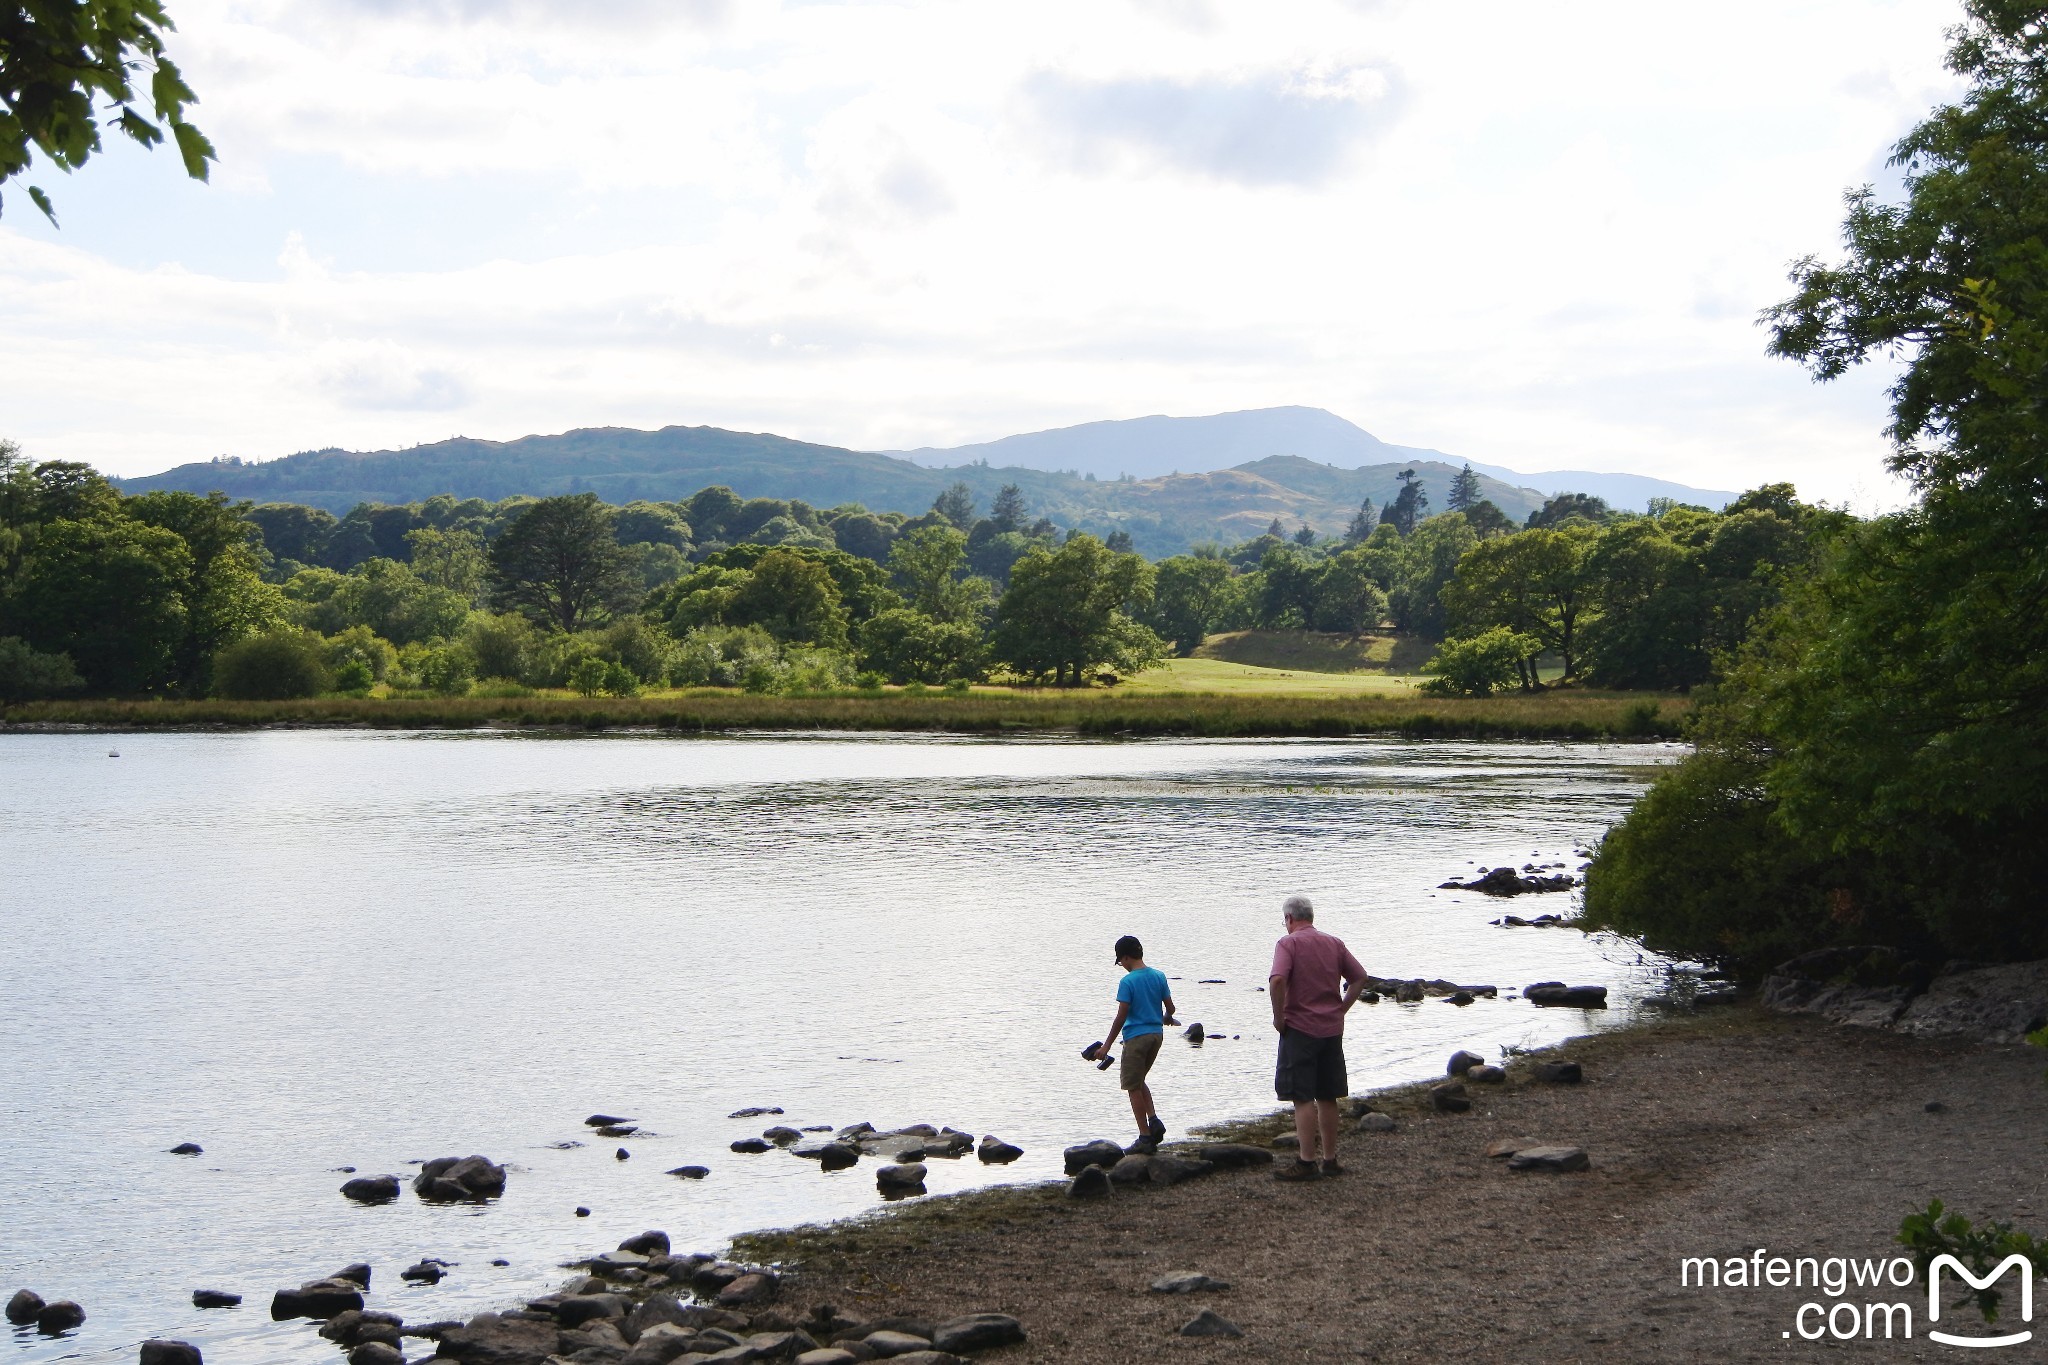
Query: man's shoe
x=1156 y=1129
x=1298 y=1170
x=1144 y=1146
x=1331 y=1168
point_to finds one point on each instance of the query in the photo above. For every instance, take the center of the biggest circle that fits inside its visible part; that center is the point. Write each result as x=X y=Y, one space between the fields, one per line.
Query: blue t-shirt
x=1144 y=990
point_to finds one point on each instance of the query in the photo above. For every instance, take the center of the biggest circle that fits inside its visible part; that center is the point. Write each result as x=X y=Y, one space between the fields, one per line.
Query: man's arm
x=1354 y=981
x=1116 y=1025
x=1276 y=990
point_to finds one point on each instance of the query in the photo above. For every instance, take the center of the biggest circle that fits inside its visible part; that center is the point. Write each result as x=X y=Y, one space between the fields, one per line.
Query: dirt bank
x=1710 y=1136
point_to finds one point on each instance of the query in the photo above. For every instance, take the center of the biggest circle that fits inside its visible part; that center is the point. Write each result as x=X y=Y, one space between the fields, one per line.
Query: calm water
x=308 y=951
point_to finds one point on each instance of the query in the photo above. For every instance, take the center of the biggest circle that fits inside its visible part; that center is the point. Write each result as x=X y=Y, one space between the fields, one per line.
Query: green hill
x=1163 y=515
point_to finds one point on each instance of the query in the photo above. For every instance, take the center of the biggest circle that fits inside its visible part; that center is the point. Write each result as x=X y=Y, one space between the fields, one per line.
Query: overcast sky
x=1530 y=235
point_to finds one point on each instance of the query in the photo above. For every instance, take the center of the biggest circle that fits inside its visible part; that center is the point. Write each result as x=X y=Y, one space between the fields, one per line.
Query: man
x=1308 y=1014
x=1144 y=1003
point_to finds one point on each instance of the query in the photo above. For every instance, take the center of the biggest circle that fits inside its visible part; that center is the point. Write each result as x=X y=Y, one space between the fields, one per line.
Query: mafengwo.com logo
x=1872 y=1314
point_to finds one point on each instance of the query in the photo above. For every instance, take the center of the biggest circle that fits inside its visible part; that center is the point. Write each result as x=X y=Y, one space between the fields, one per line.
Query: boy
x=1144 y=1003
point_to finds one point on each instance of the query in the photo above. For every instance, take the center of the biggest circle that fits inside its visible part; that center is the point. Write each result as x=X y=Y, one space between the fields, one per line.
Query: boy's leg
x=1326 y=1114
x=1141 y=1107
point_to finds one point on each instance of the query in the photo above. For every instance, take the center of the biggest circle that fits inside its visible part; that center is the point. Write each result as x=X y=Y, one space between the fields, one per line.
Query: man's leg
x=1305 y=1128
x=1326 y=1115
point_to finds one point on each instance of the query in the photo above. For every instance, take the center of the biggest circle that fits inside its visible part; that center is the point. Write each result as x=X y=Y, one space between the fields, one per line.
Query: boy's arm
x=1116 y=1025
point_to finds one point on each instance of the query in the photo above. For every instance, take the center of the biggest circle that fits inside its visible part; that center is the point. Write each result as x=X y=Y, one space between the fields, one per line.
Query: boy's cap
x=1128 y=946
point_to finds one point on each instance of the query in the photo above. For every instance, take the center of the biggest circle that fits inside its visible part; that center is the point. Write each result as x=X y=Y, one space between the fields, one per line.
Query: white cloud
x=1532 y=236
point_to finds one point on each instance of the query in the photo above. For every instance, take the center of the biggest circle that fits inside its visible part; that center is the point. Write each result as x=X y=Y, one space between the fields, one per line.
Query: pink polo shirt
x=1311 y=962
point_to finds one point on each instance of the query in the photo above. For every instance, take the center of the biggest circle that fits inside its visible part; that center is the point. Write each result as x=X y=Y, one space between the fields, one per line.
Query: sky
x=1529 y=235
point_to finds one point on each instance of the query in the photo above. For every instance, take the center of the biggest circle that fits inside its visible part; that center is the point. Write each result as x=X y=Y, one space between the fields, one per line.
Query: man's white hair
x=1298 y=908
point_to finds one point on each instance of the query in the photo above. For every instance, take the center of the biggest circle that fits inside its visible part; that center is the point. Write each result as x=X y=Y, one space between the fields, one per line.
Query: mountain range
x=1169 y=481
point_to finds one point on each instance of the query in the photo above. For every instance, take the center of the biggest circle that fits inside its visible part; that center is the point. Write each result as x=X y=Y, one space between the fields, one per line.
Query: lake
x=312 y=950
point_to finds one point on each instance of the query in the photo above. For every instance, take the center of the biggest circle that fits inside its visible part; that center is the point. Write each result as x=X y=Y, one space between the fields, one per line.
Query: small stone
x=1092 y=1182
x=500 y=1261
x=1187 y=1282
x=978 y=1332
x=752 y=1146
x=214 y=1298
x=59 y=1317
x=828 y=1355
x=1208 y=1323
x=23 y=1307
x=1560 y=1073
x=1450 y=1097
x=996 y=1151
x=1286 y=1142
x=1099 y=1152
x=187 y=1149
x=1502 y=1147
x=691 y=1172
x=582 y=1212
x=623 y=1155
x=1935 y=1107
x=1462 y=1061
x=1556 y=993
x=1376 y=1123
x=174 y=1353
x=1549 y=1159
x=886 y=1344
x=372 y=1189
x=1486 y=1074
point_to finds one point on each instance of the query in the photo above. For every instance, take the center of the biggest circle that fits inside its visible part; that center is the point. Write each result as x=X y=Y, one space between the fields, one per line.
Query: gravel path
x=1709 y=1137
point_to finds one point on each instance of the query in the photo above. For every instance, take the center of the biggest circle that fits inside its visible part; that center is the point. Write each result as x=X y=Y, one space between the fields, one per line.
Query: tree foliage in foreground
x=67 y=64
x=1884 y=738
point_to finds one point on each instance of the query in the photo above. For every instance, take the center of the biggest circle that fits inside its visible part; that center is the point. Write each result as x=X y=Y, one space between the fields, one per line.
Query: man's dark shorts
x=1310 y=1068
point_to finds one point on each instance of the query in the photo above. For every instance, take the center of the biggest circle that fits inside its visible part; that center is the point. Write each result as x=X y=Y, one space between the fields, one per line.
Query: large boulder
x=1868 y=986
x=372 y=1189
x=1170 y=1169
x=977 y=1332
x=316 y=1299
x=647 y=1243
x=1099 y=1152
x=1133 y=1169
x=1984 y=1004
x=172 y=1353
x=902 y=1178
x=1463 y=1061
x=494 y=1339
x=1091 y=1182
x=459 y=1179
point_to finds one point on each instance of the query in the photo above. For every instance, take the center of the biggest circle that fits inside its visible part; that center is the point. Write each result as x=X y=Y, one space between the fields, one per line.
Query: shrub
x=1479 y=665
x=354 y=677
x=619 y=681
x=26 y=674
x=588 y=675
x=360 y=642
x=273 y=667
x=722 y=656
x=447 y=670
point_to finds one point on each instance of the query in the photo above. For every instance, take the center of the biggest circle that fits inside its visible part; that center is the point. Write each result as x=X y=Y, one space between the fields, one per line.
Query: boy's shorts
x=1139 y=1054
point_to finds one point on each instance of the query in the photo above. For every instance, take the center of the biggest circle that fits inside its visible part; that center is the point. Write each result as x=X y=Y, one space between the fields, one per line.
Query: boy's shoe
x=1298 y=1169
x=1144 y=1146
x=1330 y=1168
x=1156 y=1130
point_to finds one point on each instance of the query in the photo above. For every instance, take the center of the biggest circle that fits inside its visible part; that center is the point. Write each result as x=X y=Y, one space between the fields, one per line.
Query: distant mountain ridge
x=1165 y=512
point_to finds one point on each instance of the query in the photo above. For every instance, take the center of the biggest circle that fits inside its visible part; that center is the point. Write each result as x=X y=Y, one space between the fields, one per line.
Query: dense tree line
x=1875 y=768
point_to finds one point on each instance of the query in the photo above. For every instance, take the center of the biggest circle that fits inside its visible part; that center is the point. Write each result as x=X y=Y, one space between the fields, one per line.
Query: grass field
x=1315 y=651
x=1201 y=674
x=1108 y=712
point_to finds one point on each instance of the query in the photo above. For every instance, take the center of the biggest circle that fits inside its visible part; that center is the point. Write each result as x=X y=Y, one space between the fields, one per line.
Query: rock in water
x=752 y=1146
x=605 y=1121
x=691 y=1172
x=454 y=1180
x=649 y=1243
x=59 y=1317
x=372 y=1189
x=1556 y=993
x=187 y=1149
x=782 y=1135
x=1195 y=1033
x=356 y=1273
x=978 y=1332
x=837 y=1156
x=214 y=1298
x=1207 y=1323
x=1187 y=1282
x=316 y=1299
x=23 y=1307
x=623 y=1155
x=996 y=1151
x=1462 y=1061
x=425 y=1272
x=755 y=1112
x=1091 y=1183
x=170 y=1353
x=617 y=1130
x=376 y=1353
x=1549 y=1159
x=908 y=1176
x=1560 y=1072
